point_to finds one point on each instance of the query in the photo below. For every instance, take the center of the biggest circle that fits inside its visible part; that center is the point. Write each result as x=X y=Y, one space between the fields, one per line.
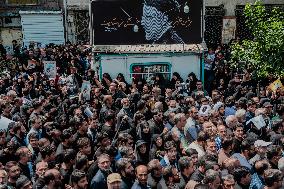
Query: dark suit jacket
x=99 y=181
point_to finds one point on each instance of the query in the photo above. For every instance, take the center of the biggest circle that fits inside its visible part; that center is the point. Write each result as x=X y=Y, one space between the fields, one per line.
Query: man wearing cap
x=269 y=108
x=114 y=181
x=171 y=153
x=141 y=178
x=261 y=148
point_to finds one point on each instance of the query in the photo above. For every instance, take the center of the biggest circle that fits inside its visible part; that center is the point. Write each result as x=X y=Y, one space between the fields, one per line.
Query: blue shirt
x=243 y=160
x=218 y=142
x=257 y=182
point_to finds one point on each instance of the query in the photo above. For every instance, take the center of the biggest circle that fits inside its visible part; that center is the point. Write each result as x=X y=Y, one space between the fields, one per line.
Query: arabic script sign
x=117 y=22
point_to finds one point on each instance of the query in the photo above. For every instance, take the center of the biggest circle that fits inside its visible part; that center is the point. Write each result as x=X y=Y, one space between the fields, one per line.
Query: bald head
x=142 y=174
x=41 y=167
x=260 y=166
x=54 y=172
x=222 y=130
x=141 y=168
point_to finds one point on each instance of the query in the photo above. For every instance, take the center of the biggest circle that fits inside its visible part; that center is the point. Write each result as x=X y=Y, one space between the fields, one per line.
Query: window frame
x=145 y=64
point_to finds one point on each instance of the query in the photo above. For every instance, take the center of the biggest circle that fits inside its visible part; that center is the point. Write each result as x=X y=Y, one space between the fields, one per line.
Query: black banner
x=121 y=22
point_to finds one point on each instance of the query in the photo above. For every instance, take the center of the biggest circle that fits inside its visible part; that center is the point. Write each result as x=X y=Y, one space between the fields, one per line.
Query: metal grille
x=82 y=25
x=213 y=25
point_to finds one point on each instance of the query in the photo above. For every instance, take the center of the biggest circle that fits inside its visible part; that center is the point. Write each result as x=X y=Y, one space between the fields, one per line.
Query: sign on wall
x=229 y=29
x=146 y=21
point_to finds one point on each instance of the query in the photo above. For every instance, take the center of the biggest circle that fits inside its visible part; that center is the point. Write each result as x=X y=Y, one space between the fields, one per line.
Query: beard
x=176 y=180
x=15 y=177
x=22 y=135
x=58 y=185
x=130 y=175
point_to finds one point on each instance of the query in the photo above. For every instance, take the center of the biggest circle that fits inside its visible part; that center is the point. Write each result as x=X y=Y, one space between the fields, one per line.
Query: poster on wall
x=119 y=22
x=229 y=29
x=50 y=69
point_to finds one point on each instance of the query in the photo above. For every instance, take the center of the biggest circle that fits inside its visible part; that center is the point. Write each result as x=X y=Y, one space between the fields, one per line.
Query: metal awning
x=148 y=48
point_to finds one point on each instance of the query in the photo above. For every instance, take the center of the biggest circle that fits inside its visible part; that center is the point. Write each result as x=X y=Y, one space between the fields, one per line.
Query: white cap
x=261 y=143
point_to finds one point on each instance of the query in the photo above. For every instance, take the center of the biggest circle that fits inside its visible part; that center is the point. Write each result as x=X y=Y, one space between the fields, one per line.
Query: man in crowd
x=99 y=180
x=53 y=138
x=141 y=178
x=79 y=180
x=126 y=170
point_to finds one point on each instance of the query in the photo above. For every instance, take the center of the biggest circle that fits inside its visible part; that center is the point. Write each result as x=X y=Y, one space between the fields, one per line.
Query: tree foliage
x=265 y=53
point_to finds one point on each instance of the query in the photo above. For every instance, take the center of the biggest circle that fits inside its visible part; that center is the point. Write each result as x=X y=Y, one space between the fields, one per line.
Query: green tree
x=265 y=53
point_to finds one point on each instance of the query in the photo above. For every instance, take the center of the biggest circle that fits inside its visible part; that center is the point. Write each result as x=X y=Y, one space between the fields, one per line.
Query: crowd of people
x=224 y=133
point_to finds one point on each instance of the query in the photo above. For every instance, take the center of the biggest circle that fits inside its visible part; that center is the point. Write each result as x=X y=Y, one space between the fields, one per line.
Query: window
x=148 y=70
x=22 y=2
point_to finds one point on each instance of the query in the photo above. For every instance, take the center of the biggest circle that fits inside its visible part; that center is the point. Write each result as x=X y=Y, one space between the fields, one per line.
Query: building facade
x=10 y=19
x=77 y=20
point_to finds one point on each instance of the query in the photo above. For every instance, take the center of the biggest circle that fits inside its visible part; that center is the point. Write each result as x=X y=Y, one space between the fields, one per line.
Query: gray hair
x=240 y=113
x=260 y=111
x=228 y=177
x=210 y=176
x=281 y=164
x=178 y=117
x=229 y=119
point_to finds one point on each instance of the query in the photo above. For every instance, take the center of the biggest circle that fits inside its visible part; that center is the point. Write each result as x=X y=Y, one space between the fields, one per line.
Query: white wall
x=186 y=64
x=183 y=64
x=113 y=65
x=230 y=5
x=42 y=27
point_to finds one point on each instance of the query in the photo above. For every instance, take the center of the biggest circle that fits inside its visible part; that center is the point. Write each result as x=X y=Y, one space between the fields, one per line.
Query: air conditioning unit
x=70 y=18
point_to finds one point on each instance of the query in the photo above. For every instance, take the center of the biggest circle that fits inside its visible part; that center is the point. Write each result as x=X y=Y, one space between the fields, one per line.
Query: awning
x=148 y=48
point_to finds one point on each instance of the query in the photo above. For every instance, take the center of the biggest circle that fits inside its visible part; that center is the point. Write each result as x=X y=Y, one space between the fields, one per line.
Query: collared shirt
x=243 y=160
x=191 y=129
x=218 y=142
x=257 y=182
x=166 y=162
x=182 y=138
x=137 y=185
